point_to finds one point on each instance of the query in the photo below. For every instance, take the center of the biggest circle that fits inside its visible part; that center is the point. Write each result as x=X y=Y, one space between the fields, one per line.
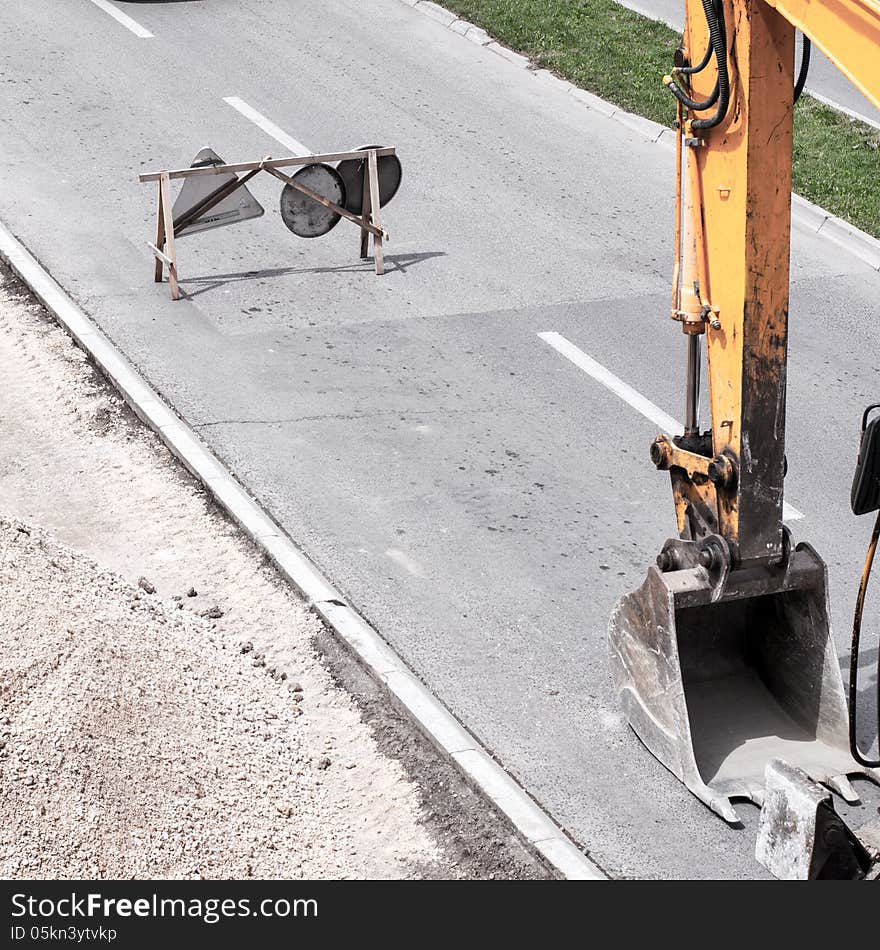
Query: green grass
x=837 y=164
x=622 y=57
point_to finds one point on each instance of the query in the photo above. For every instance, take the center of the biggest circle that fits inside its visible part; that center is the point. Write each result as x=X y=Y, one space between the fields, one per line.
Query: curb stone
x=533 y=825
x=476 y=34
x=861 y=245
x=510 y=55
x=436 y=12
x=856 y=241
x=649 y=129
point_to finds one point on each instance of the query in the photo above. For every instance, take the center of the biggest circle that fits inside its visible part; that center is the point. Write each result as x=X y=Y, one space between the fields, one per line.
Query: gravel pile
x=136 y=744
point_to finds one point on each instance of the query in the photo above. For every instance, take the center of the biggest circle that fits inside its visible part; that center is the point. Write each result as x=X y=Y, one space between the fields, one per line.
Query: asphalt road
x=825 y=80
x=482 y=499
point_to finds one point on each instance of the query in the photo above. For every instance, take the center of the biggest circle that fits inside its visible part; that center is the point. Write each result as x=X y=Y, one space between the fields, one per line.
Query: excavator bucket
x=719 y=675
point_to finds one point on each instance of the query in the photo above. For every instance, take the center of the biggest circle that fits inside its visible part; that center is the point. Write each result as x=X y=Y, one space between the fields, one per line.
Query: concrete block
x=855 y=241
x=507 y=796
x=370 y=648
x=651 y=130
x=594 y=102
x=806 y=214
x=562 y=86
x=476 y=34
x=516 y=58
x=569 y=861
x=434 y=719
x=436 y=12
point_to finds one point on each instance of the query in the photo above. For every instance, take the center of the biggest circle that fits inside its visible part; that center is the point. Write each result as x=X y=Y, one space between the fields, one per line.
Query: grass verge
x=622 y=56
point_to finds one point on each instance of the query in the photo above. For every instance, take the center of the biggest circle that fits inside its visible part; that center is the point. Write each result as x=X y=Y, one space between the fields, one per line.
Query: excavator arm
x=734 y=222
x=723 y=658
x=734 y=225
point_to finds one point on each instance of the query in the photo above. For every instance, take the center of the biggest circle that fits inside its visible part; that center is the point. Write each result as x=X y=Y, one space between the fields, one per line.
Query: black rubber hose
x=718 y=35
x=854 y=655
x=704 y=62
x=714 y=13
x=711 y=11
x=805 y=68
x=693 y=104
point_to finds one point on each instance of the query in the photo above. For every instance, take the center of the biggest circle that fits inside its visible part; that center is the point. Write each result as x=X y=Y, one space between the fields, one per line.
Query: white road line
x=648 y=409
x=277 y=133
x=604 y=376
x=124 y=19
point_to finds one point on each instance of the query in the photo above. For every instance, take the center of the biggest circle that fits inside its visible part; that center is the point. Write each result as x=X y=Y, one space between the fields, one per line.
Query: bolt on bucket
x=720 y=673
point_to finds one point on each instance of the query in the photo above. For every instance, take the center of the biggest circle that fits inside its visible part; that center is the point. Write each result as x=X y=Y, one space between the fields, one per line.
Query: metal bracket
x=800 y=835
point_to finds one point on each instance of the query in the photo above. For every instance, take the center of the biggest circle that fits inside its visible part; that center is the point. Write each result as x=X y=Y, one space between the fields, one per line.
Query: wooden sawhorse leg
x=378 y=252
x=164 y=247
x=165 y=186
x=370 y=212
x=365 y=211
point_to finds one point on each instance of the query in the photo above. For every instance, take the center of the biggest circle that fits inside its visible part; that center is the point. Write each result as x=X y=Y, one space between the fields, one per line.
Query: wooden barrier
x=368 y=221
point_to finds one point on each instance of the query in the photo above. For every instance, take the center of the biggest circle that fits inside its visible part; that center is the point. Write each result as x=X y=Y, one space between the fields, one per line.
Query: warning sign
x=235 y=202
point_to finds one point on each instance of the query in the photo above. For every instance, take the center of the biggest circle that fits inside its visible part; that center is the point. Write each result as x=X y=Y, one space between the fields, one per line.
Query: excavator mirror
x=865 y=495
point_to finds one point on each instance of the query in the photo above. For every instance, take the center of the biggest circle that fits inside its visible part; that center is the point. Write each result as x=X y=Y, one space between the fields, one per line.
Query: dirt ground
x=168 y=707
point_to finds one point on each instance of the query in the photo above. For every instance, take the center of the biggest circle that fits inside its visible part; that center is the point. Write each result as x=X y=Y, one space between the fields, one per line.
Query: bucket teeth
x=842 y=785
x=756 y=793
x=723 y=807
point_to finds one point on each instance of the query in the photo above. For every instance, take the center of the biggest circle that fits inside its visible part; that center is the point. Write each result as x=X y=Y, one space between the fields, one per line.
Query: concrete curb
x=533 y=824
x=805 y=215
x=849 y=113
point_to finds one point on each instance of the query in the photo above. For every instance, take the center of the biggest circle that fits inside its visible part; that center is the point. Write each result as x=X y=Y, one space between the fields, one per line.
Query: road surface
x=480 y=496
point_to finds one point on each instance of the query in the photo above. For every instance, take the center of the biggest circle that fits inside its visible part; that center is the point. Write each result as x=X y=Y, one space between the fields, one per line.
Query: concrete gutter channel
x=533 y=825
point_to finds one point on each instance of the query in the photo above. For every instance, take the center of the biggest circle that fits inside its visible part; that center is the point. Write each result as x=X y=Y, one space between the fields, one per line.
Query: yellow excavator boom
x=847 y=32
x=723 y=659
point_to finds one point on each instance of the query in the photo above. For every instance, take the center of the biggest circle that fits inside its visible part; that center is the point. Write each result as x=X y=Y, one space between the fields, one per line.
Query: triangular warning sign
x=240 y=205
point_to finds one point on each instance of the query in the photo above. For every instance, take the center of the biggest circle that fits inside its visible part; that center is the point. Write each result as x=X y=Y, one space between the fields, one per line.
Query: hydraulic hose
x=693 y=104
x=720 y=94
x=804 y=70
x=703 y=63
x=854 y=654
x=718 y=36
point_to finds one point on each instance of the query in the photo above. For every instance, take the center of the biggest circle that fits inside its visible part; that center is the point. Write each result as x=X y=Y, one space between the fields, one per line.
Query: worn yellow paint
x=847 y=31
x=741 y=184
